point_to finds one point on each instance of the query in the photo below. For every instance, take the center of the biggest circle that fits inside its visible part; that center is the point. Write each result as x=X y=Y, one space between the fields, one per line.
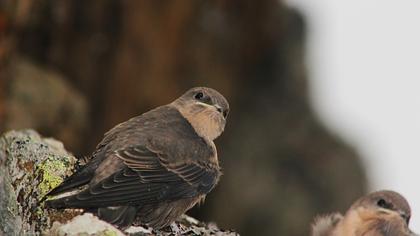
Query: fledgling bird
x=381 y=213
x=153 y=167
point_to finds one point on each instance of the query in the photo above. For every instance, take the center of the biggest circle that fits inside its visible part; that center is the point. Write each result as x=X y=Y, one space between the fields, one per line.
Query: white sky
x=364 y=70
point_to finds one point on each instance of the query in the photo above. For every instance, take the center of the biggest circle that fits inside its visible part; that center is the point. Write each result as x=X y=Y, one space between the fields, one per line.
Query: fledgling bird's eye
x=199 y=96
x=382 y=203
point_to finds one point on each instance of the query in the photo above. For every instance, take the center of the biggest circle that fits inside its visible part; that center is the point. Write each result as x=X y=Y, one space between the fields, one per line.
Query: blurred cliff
x=74 y=69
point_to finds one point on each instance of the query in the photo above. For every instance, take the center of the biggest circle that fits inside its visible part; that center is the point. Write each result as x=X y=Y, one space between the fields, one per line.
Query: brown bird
x=382 y=213
x=153 y=167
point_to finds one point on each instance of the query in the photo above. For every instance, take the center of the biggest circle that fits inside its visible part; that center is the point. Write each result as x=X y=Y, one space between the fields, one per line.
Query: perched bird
x=382 y=213
x=153 y=167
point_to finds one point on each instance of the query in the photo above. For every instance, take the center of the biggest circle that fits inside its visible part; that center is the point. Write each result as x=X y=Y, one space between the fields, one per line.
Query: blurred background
x=323 y=94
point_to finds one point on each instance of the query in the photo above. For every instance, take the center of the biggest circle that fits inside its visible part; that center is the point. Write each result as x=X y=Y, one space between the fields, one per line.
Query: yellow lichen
x=51 y=170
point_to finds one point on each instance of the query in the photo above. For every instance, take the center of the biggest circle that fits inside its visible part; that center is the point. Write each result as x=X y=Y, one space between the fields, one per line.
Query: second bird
x=153 y=167
x=381 y=213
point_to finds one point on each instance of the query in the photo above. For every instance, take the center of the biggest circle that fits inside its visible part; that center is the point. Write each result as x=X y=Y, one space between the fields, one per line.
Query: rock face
x=84 y=224
x=30 y=166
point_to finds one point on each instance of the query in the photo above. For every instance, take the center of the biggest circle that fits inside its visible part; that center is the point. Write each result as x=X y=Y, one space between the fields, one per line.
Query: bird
x=380 y=213
x=152 y=168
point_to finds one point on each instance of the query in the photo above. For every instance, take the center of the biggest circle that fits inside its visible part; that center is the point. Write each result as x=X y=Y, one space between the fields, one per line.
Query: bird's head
x=205 y=109
x=386 y=203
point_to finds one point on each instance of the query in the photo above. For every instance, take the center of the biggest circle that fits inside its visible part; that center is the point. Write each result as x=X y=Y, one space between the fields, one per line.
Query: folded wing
x=147 y=178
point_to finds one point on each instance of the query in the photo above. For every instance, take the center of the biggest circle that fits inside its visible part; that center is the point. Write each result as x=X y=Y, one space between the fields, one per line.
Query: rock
x=86 y=224
x=185 y=225
x=30 y=166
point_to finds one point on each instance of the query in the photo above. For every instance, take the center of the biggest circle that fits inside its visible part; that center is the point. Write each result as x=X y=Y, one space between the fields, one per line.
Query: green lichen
x=34 y=166
x=50 y=171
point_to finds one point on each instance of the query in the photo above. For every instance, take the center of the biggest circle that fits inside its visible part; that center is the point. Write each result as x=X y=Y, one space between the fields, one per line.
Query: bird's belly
x=163 y=214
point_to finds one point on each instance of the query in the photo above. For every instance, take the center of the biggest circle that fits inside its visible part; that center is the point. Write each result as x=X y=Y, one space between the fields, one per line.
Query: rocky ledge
x=30 y=166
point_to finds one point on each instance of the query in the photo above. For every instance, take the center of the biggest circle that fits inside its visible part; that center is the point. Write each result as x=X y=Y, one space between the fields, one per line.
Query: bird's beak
x=223 y=112
x=404 y=216
x=218 y=108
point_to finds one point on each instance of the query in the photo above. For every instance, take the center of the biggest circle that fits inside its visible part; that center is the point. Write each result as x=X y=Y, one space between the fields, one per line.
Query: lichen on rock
x=30 y=167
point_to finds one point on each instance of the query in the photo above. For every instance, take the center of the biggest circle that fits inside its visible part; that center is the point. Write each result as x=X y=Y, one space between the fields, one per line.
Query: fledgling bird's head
x=385 y=203
x=205 y=109
x=379 y=213
x=382 y=213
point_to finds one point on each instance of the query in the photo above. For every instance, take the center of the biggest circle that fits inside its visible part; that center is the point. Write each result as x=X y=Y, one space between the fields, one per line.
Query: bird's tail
x=60 y=203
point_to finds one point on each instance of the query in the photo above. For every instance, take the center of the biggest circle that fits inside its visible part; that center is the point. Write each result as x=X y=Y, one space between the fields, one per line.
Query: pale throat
x=205 y=126
x=205 y=122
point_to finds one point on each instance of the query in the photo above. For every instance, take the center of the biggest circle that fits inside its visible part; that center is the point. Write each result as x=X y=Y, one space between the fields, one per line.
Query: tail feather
x=79 y=178
x=60 y=203
x=73 y=202
x=121 y=216
x=72 y=182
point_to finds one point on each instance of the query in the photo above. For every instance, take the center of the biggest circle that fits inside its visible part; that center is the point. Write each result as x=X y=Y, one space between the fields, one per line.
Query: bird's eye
x=199 y=96
x=382 y=203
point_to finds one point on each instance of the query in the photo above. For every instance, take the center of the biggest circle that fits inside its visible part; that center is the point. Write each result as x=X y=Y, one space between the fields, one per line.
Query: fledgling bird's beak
x=218 y=108
x=404 y=216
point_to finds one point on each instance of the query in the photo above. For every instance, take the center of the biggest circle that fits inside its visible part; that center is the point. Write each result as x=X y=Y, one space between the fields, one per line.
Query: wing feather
x=146 y=179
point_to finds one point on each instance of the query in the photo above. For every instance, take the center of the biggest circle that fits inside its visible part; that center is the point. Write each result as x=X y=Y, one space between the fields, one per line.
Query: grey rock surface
x=30 y=166
x=86 y=224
